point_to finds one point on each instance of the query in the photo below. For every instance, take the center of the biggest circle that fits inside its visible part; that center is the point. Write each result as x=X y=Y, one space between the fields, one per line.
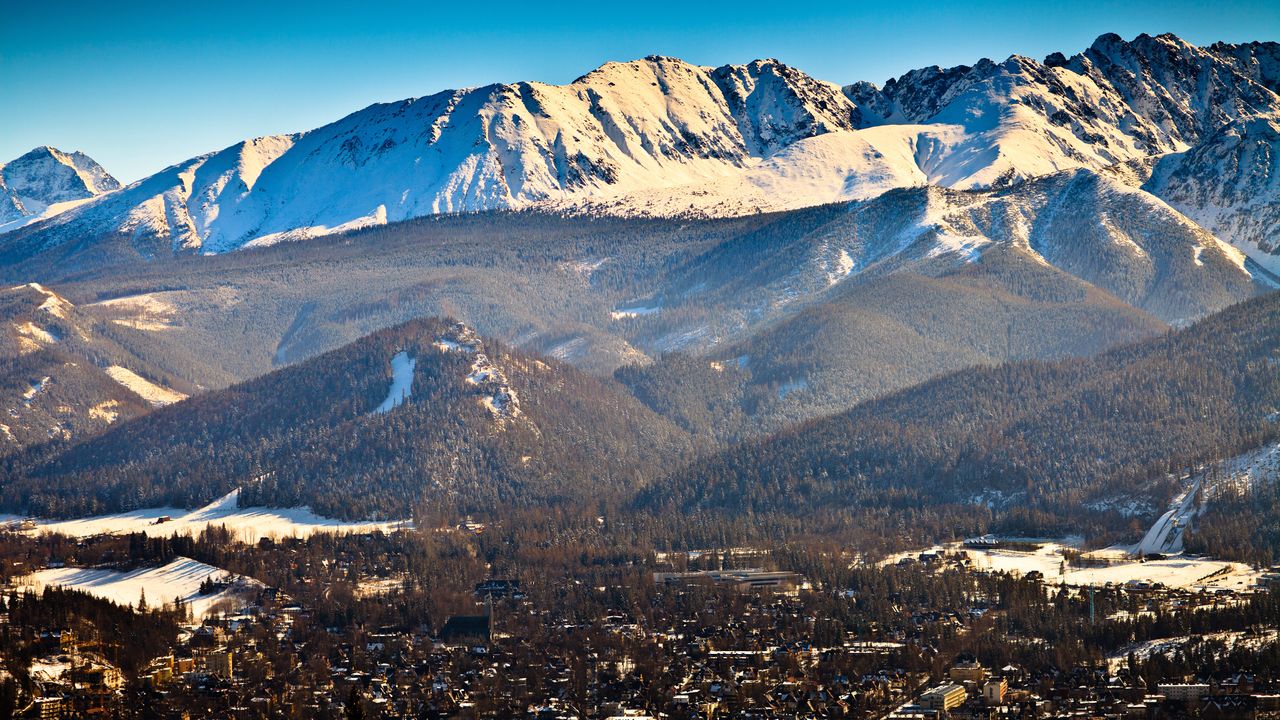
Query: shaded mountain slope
x=890 y=332
x=423 y=414
x=1030 y=435
x=65 y=374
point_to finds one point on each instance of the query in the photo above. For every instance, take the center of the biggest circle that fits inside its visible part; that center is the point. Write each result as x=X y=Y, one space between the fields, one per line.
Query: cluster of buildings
x=757 y=651
x=69 y=678
x=971 y=692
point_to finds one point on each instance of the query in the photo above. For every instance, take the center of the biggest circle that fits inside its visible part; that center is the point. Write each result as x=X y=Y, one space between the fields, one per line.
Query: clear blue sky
x=140 y=84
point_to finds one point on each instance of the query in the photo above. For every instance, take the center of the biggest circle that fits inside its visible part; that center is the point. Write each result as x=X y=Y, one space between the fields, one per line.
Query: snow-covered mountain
x=32 y=185
x=1091 y=226
x=651 y=123
x=1230 y=184
x=659 y=136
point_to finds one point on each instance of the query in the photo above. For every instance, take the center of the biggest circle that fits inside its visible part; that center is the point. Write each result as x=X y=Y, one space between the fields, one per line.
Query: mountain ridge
x=46 y=176
x=659 y=136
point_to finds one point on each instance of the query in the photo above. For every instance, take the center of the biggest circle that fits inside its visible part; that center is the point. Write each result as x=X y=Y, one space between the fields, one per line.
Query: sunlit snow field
x=246 y=524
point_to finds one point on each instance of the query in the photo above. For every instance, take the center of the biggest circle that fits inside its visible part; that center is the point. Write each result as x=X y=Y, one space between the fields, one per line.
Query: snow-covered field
x=373 y=587
x=1177 y=571
x=162 y=585
x=247 y=524
x=634 y=311
x=148 y=311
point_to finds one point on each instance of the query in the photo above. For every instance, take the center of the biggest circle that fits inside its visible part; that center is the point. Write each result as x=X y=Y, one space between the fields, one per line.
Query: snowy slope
x=179 y=578
x=657 y=122
x=1092 y=226
x=245 y=523
x=157 y=395
x=401 y=382
x=54 y=386
x=1230 y=184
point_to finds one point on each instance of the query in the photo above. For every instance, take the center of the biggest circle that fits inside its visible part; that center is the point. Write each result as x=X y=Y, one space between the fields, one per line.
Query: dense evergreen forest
x=751 y=287
x=1038 y=439
x=882 y=335
x=1020 y=447
x=306 y=435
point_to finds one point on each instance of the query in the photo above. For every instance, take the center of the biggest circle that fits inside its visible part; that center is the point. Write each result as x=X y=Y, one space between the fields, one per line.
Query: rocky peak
x=47 y=175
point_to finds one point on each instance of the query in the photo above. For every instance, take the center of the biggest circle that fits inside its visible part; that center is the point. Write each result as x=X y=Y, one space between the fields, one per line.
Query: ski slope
x=401 y=382
x=1165 y=536
x=246 y=524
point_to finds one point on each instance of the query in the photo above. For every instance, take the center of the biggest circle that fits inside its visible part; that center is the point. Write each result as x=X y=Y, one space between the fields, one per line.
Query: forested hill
x=481 y=426
x=1024 y=437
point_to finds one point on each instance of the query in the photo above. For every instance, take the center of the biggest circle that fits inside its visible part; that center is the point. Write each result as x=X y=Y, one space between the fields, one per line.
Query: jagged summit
x=46 y=176
x=660 y=136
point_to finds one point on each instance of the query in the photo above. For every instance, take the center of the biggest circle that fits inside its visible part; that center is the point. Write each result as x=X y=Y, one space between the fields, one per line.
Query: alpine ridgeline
x=1193 y=126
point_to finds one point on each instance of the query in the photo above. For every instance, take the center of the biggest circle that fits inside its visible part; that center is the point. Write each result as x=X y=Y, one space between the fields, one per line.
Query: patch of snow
x=792 y=386
x=368 y=587
x=499 y=397
x=51 y=668
x=1244 y=471
x=995 y=499
x=54 y=304
x=682 y=340
x=1146 y=649
x=1180 y=571
x=401 y=382
x=1176 y=572
x=459 y=339
x=35 y=335
x=585 y=268
x=157 y=395
x=35 y=389
x=571 y=349
x=634 y=311
x=843 y=266
x=147 y=311
x=105 y=411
